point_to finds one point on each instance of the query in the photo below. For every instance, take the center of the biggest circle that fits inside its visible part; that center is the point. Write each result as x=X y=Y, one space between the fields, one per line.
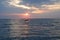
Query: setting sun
x=26 y=15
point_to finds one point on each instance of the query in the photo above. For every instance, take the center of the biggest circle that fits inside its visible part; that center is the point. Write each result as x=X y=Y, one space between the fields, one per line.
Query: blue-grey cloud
x=35 y=1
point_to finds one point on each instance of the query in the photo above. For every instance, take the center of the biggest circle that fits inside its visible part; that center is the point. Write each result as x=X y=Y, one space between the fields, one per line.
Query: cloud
x=37 y=8
x=50 y=6
x=15 y=3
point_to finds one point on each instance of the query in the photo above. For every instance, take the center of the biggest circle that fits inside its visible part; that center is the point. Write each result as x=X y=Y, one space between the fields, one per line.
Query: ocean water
x=34 y=29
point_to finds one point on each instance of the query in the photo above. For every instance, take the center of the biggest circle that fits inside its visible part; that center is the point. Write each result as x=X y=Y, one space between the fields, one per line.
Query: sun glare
x=26 y=15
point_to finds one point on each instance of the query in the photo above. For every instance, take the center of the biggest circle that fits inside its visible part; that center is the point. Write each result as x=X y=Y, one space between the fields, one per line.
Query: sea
x=32 y=29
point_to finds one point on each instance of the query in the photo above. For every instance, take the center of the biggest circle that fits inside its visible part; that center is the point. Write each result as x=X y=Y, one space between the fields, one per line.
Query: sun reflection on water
x=18 y=29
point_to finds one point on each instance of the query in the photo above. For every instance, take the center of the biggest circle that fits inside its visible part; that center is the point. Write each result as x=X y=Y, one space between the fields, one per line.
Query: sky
x=36 y=8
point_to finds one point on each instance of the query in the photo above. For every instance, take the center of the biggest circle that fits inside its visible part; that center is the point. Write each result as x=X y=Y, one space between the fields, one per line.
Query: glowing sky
x=37 y=8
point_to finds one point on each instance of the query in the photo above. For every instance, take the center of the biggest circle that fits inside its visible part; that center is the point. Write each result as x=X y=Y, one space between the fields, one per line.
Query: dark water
x=35 y=29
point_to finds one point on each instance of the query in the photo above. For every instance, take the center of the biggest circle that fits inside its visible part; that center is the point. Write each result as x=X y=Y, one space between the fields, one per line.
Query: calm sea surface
x=34 y=29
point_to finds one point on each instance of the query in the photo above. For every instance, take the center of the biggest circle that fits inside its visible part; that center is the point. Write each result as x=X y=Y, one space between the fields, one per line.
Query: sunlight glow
x=26 y=16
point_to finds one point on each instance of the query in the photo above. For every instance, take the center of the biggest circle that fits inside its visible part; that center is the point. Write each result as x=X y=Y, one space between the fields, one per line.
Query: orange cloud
x=39 y=11
x=52 y=7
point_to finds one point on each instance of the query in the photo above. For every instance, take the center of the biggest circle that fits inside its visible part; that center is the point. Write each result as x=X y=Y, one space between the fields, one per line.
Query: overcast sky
x=36 y=8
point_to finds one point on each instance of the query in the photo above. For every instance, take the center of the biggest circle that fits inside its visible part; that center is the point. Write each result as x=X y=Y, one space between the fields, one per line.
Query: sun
x=26 y=15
